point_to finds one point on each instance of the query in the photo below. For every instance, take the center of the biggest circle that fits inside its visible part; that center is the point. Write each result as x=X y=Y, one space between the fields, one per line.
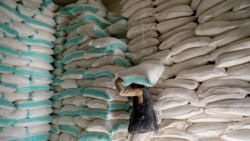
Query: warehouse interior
x=60 y=59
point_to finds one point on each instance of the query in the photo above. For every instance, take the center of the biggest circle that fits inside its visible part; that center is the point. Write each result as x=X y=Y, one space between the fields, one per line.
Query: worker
x=142 y=119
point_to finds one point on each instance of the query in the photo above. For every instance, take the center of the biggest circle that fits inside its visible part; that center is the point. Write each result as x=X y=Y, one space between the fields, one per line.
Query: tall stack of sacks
x=224 y=97
x=176 y=99
x=26 y=48
x=151 y=27
x=88 y=106
x=143 y=42
x=62 y=19
x=205 y=45
x=142 y=31
x=221 y=73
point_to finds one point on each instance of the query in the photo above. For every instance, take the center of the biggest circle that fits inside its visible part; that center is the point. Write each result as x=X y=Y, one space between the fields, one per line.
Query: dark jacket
x=142 y=118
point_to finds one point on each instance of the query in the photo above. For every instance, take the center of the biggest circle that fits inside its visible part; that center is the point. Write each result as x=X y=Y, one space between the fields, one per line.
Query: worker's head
x=134 y=85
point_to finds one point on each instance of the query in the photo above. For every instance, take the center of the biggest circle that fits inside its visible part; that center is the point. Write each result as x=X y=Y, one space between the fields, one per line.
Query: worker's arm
x=128 y=91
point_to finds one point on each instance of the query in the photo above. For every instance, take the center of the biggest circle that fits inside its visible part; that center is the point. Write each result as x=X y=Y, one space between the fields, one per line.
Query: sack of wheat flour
x=180 y=83
x=188 y=64
x=235 y=46
x=117 y=28
x=163 y=5
x=140 y=29
x=206 y=5
x=89 y=17
x=205 y=118
x=149 y=34
x=176 y=38
x=181 y=93
x=187 y=26
x=91 y=29
x=216 y=10
x=215 y=28
x=143 y=44
x=202 y=73
x=137 y=56
x=208 y=130
x=190 y=43
x=174 y=12
x=181 y=112
x=234 y=15
x=15 y=44
x=133 y=8
x=240 y=72
x=161 y=56
x=231 y=106
x=233 y=58
x=169 y=103
x=146 y=73
x=142 y=13
x=168 y=25
x=241 y=4
x=239 y=135
x=222 y=93
x=192 y=53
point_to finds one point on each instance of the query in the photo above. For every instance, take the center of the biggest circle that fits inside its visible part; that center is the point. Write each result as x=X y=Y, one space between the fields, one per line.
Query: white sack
x=202 y=73
x=233 y=58
x=188 y=64
x=145 y=73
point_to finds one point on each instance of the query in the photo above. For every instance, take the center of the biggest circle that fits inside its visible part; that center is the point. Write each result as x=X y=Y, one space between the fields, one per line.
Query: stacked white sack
x=198 y=54
x=26 y=48
x=224 y=98
x=217 y=86
x=149 y=33
x=88 y=106
x=142 y=33
x=62 y=20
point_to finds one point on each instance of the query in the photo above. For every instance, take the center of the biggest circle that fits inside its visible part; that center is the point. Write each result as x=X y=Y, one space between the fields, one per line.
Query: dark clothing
x=142 y=118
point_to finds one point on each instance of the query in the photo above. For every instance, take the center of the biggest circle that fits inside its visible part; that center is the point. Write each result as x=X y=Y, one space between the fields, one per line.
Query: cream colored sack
x=146 y=73
x=195 y=4
x=216 y=10
x=233 y=58
x=170 y=3
x=241 y=4
x=143 y=44
x=188 y=26
x=179 y=83
x=238 y=45
x=174 y=12
x=137 y=56
x=215 y=28
x=190 y=43
x=188 y=64
x=219 y=82
x=192 y=53
x=206 y=5
x=149 y=34
x=241 y=72
x=202 y=73
x=168 y=25
x=140 y=29
x=176 y=38
x=139 y=5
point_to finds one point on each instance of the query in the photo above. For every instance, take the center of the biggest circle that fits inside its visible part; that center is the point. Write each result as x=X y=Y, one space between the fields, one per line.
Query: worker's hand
x=119 y=80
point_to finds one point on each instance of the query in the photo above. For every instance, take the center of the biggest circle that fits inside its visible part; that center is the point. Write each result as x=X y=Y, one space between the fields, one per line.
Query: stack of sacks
x=142 y=32
x=216 y=106
x=206 y=45
x=224 y=98
x=62 y=20
x=88 y=106
x=26 y=48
